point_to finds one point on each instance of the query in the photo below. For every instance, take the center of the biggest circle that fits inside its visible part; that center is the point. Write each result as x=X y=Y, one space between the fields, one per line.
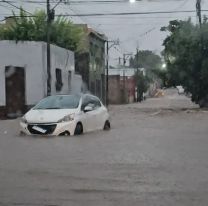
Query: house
x=122 y=85
x=23 y=75
x=90 y=61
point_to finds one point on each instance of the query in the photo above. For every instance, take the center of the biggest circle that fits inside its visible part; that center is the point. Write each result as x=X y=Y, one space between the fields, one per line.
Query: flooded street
x=154 y=155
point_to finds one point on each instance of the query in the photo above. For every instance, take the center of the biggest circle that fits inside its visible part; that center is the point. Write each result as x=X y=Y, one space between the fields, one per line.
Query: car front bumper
x=49 y=129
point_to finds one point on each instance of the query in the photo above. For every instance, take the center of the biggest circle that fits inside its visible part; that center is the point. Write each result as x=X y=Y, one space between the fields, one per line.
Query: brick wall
x=120 y=91
x=114 y=93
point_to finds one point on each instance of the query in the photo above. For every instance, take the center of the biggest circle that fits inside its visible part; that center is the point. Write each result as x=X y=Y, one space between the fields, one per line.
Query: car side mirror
x=88 y=109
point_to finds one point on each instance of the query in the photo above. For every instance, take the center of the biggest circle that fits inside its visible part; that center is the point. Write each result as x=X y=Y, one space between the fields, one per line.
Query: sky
x=142 y=31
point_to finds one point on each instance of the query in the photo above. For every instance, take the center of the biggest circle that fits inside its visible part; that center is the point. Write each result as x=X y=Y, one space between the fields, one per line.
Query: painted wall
x=62 y=59
x=32 y=57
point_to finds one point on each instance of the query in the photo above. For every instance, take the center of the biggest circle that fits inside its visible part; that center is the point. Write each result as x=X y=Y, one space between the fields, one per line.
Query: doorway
x=15 y=91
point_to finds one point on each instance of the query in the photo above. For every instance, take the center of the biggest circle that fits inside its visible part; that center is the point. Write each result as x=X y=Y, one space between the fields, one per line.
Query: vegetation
x=153 y=69
x=146 y=59
x=22 y=28
x=186 y=55
x=142 y=83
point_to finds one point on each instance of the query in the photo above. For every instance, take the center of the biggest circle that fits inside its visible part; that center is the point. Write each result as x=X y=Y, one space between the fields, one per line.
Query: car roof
x=76 y=94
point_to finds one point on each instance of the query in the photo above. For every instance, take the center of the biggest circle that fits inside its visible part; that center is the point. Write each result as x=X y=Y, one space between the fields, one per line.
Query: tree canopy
x=146 y=59
x=186 y=55
x=23 y=28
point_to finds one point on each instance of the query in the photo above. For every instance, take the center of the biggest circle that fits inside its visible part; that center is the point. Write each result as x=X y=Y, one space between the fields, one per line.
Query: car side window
x=90 y=101
x=85 y=102
x=97 y=103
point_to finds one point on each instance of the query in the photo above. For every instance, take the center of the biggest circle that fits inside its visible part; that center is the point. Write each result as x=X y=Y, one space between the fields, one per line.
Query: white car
x=180 y=89
x=65 y=115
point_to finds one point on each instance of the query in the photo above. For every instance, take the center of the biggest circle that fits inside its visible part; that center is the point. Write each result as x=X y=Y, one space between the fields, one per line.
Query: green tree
x=142 y=83
x=186 y=54
x=23 y=28
x=152 y=63
x=146 y=59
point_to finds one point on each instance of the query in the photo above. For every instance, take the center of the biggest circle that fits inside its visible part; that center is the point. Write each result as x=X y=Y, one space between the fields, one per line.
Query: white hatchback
x=65 y=115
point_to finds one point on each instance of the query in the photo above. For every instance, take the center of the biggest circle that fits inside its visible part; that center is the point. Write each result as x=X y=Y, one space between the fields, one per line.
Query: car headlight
x=23 y=120
x=67 y=118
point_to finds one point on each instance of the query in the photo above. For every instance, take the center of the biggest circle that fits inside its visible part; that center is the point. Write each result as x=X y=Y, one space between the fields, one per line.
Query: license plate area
x=39 y=129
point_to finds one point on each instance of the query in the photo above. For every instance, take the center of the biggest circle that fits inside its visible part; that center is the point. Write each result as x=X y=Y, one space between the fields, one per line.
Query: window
x=59 y=102
x=98 y=88
x=69 y=79
x=59 y=82
x=85 y=102
x=92 y=101
x=97 y=102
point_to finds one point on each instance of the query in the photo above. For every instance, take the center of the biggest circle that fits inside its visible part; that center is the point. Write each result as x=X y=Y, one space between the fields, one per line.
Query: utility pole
x=107 y=53
x=48 y=49
x=119 y=61
x=125 y=56
x=198 y=11
x=113 y=43
x=124 y=59
x=137 y=72
x=137 y=59
x=50 y=18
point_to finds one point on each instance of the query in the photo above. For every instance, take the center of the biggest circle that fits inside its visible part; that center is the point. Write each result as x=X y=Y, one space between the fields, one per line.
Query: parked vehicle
x=180 y=89
x=66 y=115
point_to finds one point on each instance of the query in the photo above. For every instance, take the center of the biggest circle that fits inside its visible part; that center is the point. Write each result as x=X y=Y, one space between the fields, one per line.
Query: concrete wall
x=62 y=59
x=28 y=56
x=121 y=91
x=114 y=94
x=32 y=57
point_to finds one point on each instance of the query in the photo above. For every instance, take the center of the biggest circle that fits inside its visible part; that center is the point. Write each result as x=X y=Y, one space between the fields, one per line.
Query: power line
x=75 y=2
x=2 y=20
x=8 y=8
x=7 y=2
x=118 y=14
x=130 y=13
x=144 y=17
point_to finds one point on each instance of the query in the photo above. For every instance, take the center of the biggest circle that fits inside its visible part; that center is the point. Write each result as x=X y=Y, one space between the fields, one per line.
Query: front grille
x=48 y=127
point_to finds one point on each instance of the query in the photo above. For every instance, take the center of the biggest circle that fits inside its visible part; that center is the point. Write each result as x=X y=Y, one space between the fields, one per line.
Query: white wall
x=29 y=56
x=32 y=56
x=62 y=59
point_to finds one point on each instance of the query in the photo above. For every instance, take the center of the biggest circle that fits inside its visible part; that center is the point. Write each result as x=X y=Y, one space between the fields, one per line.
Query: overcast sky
x=132 y=30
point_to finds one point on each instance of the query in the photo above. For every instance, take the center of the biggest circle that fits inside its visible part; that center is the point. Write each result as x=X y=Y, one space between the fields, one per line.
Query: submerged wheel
x=78 y=129
x=107 y=125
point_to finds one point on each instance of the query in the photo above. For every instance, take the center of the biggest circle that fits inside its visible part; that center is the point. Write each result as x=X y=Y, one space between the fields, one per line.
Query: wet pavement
x=155 y=155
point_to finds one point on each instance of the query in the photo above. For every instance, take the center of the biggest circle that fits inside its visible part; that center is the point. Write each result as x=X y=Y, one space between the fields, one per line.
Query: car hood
x=47 y=115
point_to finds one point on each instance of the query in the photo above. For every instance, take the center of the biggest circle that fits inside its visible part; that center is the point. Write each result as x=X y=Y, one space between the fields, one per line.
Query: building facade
x=23 y=75
x=90 y=61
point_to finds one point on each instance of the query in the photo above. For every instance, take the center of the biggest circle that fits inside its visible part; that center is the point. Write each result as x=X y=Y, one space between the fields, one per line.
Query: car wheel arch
x=79 y=129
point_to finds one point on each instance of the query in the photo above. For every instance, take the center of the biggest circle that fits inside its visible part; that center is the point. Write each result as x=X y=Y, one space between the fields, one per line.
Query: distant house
x=90 y=61
x=23 y=74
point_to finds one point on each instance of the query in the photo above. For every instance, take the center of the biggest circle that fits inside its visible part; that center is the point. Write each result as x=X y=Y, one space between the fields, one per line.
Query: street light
x=132 y=1
x=163 y=66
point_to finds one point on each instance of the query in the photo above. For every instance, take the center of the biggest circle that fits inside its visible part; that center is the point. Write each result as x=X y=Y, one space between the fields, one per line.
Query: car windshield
x=59 y=102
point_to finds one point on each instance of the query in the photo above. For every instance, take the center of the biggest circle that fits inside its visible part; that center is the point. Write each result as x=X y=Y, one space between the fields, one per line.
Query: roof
x=89 y=31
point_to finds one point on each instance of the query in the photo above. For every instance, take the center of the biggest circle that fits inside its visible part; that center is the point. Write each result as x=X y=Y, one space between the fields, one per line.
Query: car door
x=89 y=117
x=99 y=113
